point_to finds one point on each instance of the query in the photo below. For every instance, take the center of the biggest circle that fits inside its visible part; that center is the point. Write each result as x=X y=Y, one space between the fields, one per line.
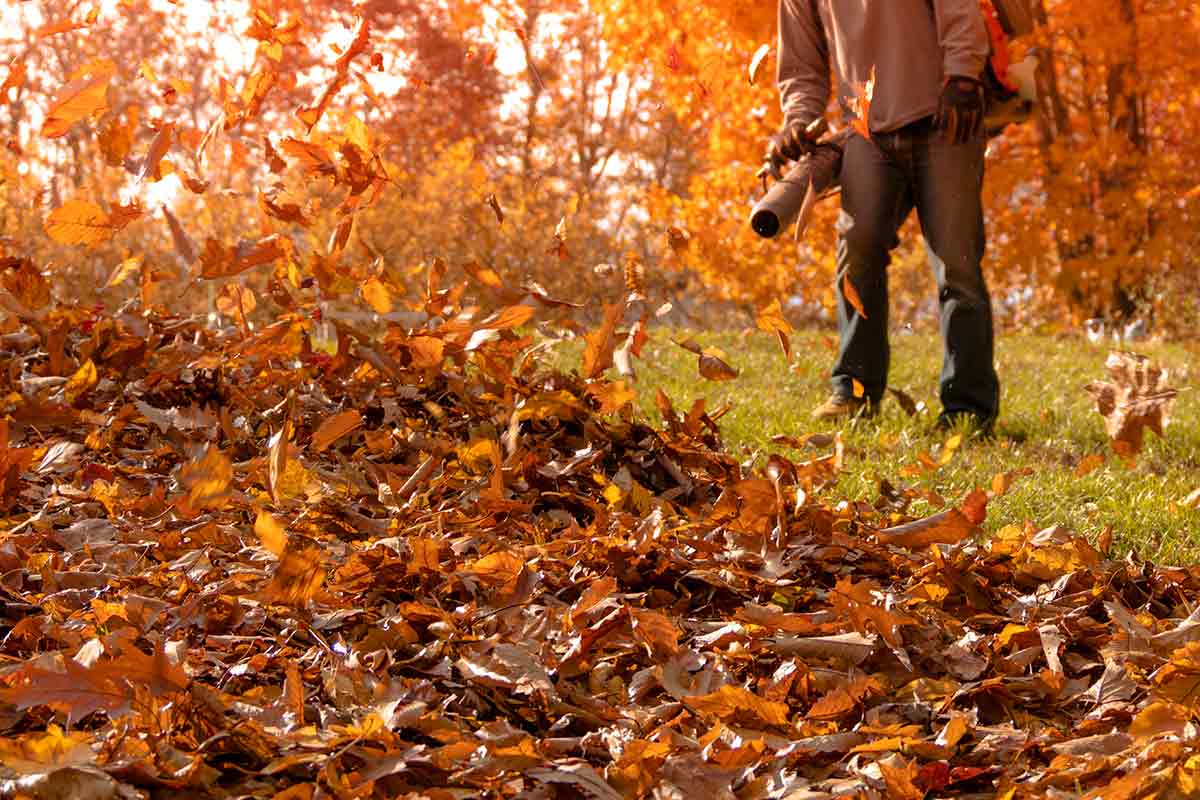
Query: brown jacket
x=913 y=46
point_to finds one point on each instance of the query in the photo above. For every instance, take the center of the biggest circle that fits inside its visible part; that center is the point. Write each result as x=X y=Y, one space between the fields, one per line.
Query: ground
x=1047 y=423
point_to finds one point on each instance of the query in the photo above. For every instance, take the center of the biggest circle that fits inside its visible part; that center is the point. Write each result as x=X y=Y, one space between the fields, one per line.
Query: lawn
x=1048 y=423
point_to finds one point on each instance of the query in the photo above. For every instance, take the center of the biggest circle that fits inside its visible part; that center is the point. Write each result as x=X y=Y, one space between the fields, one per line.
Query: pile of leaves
x=419 y=564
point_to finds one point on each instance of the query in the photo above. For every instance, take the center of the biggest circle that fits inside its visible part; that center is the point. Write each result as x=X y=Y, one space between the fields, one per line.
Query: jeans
x=883 y=179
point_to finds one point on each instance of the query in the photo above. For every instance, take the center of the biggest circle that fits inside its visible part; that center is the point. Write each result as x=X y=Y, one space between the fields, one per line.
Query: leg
x=875 y=200
x=949 y=179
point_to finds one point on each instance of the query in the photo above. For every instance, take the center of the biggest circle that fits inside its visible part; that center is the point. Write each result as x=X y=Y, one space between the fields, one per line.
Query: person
x=925 y=150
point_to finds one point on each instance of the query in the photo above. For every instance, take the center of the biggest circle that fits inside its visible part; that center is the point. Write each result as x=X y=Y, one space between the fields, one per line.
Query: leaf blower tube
x=812 y=178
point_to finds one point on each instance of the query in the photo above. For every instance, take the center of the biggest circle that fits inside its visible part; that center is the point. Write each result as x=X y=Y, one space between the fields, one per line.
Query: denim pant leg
x=876 y=197
x=948 y=181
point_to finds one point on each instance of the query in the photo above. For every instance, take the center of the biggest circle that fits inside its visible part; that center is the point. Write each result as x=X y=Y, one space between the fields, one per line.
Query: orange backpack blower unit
x=1011 y=87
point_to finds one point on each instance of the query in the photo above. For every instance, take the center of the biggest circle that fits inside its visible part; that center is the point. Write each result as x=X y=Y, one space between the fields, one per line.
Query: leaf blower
x=1011 y=92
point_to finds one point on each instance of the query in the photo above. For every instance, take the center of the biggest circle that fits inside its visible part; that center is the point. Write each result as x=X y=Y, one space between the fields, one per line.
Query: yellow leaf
x=236 y=301
x=857 y=388
x=82 y=382
x=271 y=533
x=34 y=753
x=277 y=458
x=123 y=271
x=949 y=448
x=79 y=222
x=376 y=295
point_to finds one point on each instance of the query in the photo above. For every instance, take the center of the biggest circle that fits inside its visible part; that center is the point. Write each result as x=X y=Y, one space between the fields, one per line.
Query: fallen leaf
x=334 y=428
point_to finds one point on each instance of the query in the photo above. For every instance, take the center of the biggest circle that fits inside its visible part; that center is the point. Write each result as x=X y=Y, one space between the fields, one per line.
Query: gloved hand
x=795 y=140
x=960 y=109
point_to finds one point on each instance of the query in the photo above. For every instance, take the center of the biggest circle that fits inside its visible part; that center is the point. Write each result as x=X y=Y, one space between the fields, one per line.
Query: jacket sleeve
x=802 y=72
x=963 y=36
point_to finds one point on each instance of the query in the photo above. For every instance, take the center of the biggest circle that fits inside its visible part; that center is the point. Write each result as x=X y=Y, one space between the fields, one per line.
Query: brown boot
x=839 y=406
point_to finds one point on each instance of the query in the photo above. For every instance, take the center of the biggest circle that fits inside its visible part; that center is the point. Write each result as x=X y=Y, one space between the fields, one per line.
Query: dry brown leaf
x=1136 y=398
x=334 y=428
x=600 y=343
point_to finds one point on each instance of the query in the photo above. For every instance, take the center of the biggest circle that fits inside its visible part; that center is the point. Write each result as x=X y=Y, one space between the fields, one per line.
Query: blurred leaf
x=85 y=93
x=760 y=55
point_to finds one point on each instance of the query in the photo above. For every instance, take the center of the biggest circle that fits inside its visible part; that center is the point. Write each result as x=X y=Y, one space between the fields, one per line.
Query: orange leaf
x=851 y=295
x=600 y=343
x=299 y=574
x=735 y=701
x=79 y=222
x=270 y=533
x=15 y=77
x=25 y=282
x=81 y=96
x=376 y=295
x=158 y=149
x=334 y=428
x=207 y=480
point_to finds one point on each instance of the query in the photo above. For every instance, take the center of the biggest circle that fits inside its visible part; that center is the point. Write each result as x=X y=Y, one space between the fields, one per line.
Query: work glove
x=960 y=109
x=794 y=140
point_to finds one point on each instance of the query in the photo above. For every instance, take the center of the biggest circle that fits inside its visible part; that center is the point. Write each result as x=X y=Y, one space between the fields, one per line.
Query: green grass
x=1047 y=423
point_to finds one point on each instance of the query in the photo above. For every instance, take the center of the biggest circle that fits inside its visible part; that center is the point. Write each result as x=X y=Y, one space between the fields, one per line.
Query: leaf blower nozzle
x=812 y=178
